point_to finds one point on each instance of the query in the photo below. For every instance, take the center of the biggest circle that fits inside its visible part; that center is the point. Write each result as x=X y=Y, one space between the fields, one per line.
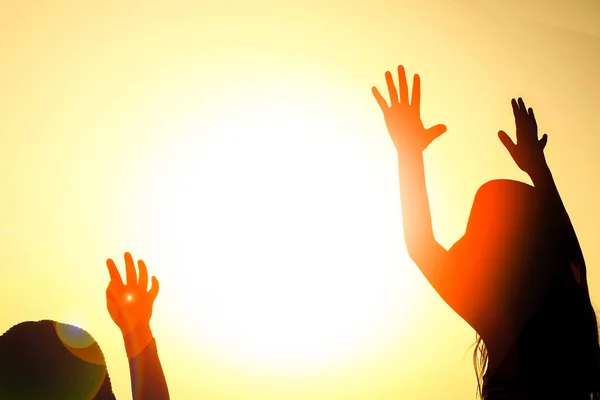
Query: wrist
x=540 y=173
x=137 y=340
x=409 y=153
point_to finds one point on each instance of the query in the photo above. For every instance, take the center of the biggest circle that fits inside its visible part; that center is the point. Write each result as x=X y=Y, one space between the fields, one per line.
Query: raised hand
x=130 y=304
x=528 y=152
x=403 y=118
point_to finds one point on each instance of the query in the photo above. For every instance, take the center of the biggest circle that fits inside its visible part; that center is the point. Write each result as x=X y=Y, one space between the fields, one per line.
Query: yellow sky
x=233 y=143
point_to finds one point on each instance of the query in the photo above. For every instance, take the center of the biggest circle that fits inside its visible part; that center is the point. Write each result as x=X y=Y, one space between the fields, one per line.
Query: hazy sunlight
x=283 y=266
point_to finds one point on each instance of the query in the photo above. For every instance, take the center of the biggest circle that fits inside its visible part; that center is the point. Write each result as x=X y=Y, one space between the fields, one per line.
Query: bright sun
x=277 y=234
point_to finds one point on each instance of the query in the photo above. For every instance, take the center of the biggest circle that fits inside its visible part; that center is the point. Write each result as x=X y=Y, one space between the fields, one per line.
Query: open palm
x=403 y=117
x=130 y=304
x=528 y=152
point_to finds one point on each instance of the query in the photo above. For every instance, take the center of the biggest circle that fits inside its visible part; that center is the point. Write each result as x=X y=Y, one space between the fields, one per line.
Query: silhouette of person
x=49 y=360
x=517 y=276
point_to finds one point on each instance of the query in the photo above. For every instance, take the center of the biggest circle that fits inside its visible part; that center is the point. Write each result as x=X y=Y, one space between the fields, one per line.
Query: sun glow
x=274 y=233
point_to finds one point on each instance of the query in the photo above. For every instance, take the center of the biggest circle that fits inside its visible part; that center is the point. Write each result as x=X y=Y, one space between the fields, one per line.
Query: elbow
x=421 y=250
x=420 y=259
x=414 y=257
x=416 y=251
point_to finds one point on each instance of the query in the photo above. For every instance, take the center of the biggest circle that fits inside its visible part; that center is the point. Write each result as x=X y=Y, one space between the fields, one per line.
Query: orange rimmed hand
x=528 y=152
x=130 y=304
x=403 y=117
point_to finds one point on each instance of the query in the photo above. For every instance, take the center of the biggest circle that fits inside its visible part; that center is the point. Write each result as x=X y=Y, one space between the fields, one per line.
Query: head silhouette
x=541 y=276
x=50 y=360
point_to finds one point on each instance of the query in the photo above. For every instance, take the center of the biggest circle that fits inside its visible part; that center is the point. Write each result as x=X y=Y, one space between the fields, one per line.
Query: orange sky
x=229 y=143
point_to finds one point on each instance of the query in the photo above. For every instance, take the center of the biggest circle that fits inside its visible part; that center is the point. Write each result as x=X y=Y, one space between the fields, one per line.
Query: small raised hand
x=130 y=304
x=403 y=117
x=528 y=152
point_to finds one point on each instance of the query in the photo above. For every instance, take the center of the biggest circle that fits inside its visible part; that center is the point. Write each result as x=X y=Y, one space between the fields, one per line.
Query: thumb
x=436 y=131
x=543 y=141
x=153 y=289
x=113 y=309
x=507 y=142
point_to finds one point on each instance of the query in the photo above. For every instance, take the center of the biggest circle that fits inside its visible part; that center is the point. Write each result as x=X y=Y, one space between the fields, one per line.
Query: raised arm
x=528 y=154
x=130 y=306
x=403 y=120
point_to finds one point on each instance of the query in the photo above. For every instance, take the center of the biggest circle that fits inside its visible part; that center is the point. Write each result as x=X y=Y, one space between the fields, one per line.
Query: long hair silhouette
x=546 y=279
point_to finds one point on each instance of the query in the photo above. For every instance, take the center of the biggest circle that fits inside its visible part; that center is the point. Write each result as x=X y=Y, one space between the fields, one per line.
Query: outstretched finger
x=380 y=100
x=507 y=142
x=516 y=111
x=403 y=85
x=523 y=110
x=130 y=269
x=522 y=106
x=415 y=101
x=532 y=117
x=154 y=288
x=543 y=141
x=115 y=276
x=143 y=275
x=391 y=88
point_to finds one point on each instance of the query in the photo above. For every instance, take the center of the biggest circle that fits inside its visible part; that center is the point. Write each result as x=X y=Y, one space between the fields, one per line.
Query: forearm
x=147 y=377
x=543 y=181
x=416 y=214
